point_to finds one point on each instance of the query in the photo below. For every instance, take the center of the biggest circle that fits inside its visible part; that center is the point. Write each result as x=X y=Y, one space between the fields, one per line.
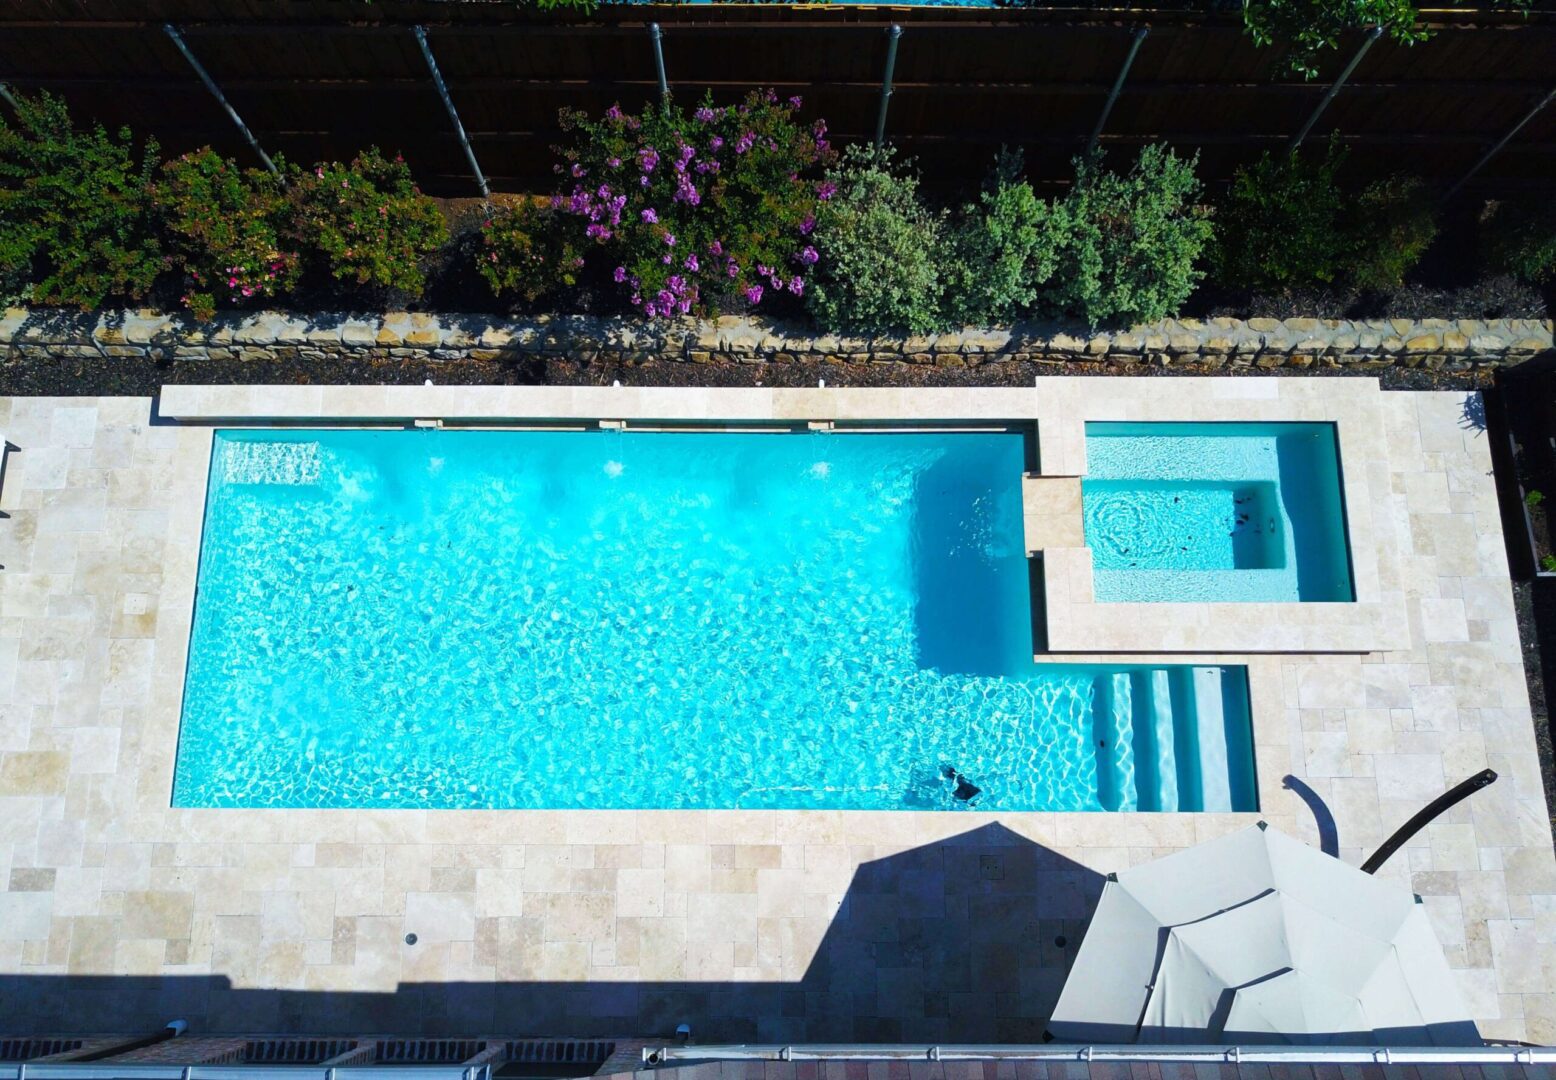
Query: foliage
x=1128 y=241
x=223 y=228
x=1289 y=223
x=1311 y=27
x=365 y=223
x=1548 y=563
x=75 y=223
x=1519 y=238
x=1533 y=499
x=525 y=251
x=1002 y=249
x=699 y=212
x=1391 y=225
x=1279 y=227
x=879 y=245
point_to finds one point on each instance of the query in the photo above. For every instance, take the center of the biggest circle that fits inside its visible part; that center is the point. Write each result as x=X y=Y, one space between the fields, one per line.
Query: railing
x=107 y=1070
x=1073 y=1054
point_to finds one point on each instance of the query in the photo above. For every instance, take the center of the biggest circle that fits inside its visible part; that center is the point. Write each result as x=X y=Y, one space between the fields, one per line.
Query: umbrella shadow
x=967 y=939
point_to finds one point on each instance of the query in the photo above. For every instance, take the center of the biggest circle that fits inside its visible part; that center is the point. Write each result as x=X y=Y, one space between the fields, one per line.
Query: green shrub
x=1279 y=226
x=1001 y=250
x=1128 y=241
x=525 y=252
x=223 y=227
x=879 y=246
x=1518 y=237
x=702 y=212
x=1391 y=225
x=75 y=222
x=365 y=223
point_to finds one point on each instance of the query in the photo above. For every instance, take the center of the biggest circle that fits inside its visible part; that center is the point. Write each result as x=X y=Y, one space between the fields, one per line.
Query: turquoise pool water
x=642 y=620
x=1215 y=512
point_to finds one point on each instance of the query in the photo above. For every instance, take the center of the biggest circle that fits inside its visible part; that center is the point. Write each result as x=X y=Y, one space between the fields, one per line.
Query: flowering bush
x=699 y=212
x=75 y=222
x=525 y=250
x=366 y=223
x=223 y=226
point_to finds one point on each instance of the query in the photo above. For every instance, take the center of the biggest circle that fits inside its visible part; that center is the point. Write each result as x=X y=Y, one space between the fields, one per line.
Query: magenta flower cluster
x=695 y=211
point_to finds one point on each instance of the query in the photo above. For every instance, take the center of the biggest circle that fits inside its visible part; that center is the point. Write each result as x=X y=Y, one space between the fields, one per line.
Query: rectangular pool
x=1215 y=512
x=607 y=620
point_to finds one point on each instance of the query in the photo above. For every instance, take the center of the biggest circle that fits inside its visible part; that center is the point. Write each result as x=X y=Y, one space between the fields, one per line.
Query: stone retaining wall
x=1211 y=343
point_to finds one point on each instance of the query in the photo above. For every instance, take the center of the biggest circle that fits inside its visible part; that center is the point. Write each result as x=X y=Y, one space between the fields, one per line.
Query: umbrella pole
x=1460 y=791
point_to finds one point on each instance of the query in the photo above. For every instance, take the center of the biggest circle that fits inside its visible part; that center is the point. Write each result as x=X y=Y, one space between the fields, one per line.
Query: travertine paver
x=771 y=925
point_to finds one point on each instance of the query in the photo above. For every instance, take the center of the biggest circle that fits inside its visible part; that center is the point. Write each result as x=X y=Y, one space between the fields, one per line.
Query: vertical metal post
x=221 y=99
x=657 y=37
x=1334 y=88
x=453 y=115
x=1118 y=85
x=1503 y=141
x=893 y=35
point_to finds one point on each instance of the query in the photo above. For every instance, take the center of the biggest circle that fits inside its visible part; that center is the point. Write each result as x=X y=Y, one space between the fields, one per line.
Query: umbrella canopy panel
x=1256 y=937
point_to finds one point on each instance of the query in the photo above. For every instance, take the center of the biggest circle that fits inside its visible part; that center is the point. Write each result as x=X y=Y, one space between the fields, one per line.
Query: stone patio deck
x=121 y=912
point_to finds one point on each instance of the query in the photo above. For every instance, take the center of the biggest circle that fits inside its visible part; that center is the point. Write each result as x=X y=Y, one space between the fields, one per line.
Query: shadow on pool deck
x=964 y=940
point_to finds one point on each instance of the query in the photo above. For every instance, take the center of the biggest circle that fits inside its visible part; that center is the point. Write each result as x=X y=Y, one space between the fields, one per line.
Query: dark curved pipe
x=1460 y=791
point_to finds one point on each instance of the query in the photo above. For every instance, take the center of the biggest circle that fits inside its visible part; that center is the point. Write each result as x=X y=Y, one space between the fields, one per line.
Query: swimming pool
x=606 y=619
x=1238 y=512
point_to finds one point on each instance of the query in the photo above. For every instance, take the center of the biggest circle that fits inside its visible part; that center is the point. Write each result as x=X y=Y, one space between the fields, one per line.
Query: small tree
x=880 y=248
x=75 y=221
x=1279 y=227
x=1131 y=240
x=1001 y=249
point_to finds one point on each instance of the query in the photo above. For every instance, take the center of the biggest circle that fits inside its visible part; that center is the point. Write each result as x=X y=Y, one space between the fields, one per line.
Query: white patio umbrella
x=1257 y=937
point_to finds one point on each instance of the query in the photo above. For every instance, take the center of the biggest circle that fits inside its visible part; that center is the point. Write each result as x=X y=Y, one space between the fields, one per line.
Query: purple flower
x=670 y=239
x=794 y=102
x=579 y=170
x=825 y=190
x=733 y=268
x=691 y=263
x=649 y=215
x=676 y=284
x=648 y=309
x=648 y=159
x=797 y=285
x=764 y=271
x=745 y=142
x=643 y=181
x=597 y=232
x=704 y=115
x=754 y=294
x=619 y=275
x=777 y=283
x=666 y=299
x=715 y=142
x=808 y=255
x=614 y=163
x=666 y=258
x=613 y=113
x=716 y=248
x=807 y=225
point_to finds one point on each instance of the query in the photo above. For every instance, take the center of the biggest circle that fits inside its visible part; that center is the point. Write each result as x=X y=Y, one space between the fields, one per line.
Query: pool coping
x=101 y=558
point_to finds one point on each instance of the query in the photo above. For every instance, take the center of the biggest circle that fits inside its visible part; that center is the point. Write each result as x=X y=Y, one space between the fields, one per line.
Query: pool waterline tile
x=118 y=830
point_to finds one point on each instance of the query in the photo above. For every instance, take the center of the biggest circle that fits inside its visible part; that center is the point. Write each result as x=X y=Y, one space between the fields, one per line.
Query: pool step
x=1114 y=733
x=1163 y=741
x=1215 y=786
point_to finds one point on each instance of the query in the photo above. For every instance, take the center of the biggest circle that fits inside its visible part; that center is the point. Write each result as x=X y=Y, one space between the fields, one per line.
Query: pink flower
x=649 y=216
x=670 y=239
x=754 y=294
x=691 y=262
